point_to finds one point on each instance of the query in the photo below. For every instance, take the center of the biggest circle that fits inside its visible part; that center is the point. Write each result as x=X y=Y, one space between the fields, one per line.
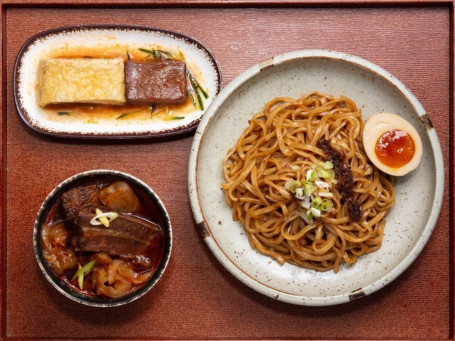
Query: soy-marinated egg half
x=392 y=144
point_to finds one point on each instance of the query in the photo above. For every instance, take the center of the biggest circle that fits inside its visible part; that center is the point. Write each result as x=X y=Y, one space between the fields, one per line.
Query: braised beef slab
x=79 y=198
x=127 y=236
x=160 y=82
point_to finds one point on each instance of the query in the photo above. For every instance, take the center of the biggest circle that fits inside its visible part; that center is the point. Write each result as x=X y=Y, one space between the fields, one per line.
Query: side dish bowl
x=149 y=202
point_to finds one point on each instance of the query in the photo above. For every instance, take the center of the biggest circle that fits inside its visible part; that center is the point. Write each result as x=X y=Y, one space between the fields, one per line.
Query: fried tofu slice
x=81 y=80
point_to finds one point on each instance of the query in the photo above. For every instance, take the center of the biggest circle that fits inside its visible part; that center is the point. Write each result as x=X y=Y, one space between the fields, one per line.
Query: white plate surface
x=418 y=195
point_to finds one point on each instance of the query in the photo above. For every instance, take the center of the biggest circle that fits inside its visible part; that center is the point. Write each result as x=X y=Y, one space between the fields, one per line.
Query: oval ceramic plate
x=115 y=41
x=418 y=195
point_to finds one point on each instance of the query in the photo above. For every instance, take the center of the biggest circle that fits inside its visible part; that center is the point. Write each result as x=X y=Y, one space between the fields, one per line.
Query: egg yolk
x=395 y=148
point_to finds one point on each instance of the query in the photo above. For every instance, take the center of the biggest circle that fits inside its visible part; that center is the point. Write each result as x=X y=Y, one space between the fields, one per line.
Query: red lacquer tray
x=197 y=298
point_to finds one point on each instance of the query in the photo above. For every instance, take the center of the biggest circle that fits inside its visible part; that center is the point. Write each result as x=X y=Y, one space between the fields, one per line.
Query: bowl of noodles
x=284 y=194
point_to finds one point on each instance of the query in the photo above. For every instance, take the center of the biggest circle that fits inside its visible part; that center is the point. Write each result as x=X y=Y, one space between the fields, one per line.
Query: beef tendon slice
x=159 y=82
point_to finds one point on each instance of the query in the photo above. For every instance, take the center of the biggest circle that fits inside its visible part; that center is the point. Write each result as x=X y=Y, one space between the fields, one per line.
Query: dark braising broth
x=104 y=239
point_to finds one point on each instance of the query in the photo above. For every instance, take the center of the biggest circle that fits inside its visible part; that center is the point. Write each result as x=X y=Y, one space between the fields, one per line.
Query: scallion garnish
x=152 y=52
x=82 y=271
x=196 y=88
x=294 y=185
x=63 y=113
x=190 y=94
x=310 y=174
x=328 y=165
x=320 y=177
x=103 y=218
x=152 y=109
x=166 y=53
x=206 y=95
x=121 y=116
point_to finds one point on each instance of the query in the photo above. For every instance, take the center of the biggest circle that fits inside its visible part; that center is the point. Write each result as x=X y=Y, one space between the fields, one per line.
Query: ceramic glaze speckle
x=418 y=194
x=130 y=37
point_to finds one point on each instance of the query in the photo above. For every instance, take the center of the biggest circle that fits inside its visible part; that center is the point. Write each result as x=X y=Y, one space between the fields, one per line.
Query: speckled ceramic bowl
x=148 y=196
x=418 y=195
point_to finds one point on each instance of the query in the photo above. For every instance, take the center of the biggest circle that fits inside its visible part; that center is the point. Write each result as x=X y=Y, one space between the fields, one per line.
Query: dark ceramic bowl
x=147 y=195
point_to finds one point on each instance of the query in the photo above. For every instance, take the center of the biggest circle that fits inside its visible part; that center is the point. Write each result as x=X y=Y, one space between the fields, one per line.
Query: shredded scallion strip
x=103 y=218
x=82 y=271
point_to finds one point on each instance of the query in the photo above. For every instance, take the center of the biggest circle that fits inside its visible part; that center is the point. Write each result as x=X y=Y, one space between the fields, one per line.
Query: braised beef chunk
x=126 y=236
x=78 y=198
x=161 y=82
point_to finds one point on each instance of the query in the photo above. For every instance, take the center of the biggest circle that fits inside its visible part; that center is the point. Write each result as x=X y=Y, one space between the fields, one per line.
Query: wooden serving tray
x=197 y=298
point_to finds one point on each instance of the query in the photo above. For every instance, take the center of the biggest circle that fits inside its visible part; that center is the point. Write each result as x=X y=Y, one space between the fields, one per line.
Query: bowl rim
x=61 y=286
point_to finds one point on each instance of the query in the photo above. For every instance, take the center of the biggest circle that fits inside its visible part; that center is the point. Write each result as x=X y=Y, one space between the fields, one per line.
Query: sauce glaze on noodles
x=281 y=145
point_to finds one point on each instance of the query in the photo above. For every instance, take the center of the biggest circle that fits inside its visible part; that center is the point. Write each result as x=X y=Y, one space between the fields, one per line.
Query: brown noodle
x=280 y=146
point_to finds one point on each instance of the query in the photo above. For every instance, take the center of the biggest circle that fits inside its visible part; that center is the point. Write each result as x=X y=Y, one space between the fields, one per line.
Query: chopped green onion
x=103 y=218
x=198 y=97
x=199 y=100
x=327 y=174
x=158 y=54
x=308 y=188
x=204 y=92
x=190 y=93
x=316 y=212
x=327 y=165
x=306 y=203
x=310 y=217
x=194 y=85
x=326 y=205
x=84 y=270
x=167 y=53
x=177 y=118
x=310 y=174
x=294 y=185
x=152 y=52
x=323 y=173
x=63 y=113
x=316 y=203
x=121 y=116
x=80 y=281
x=299 y=194
x=304 y=190
x=152 y=109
